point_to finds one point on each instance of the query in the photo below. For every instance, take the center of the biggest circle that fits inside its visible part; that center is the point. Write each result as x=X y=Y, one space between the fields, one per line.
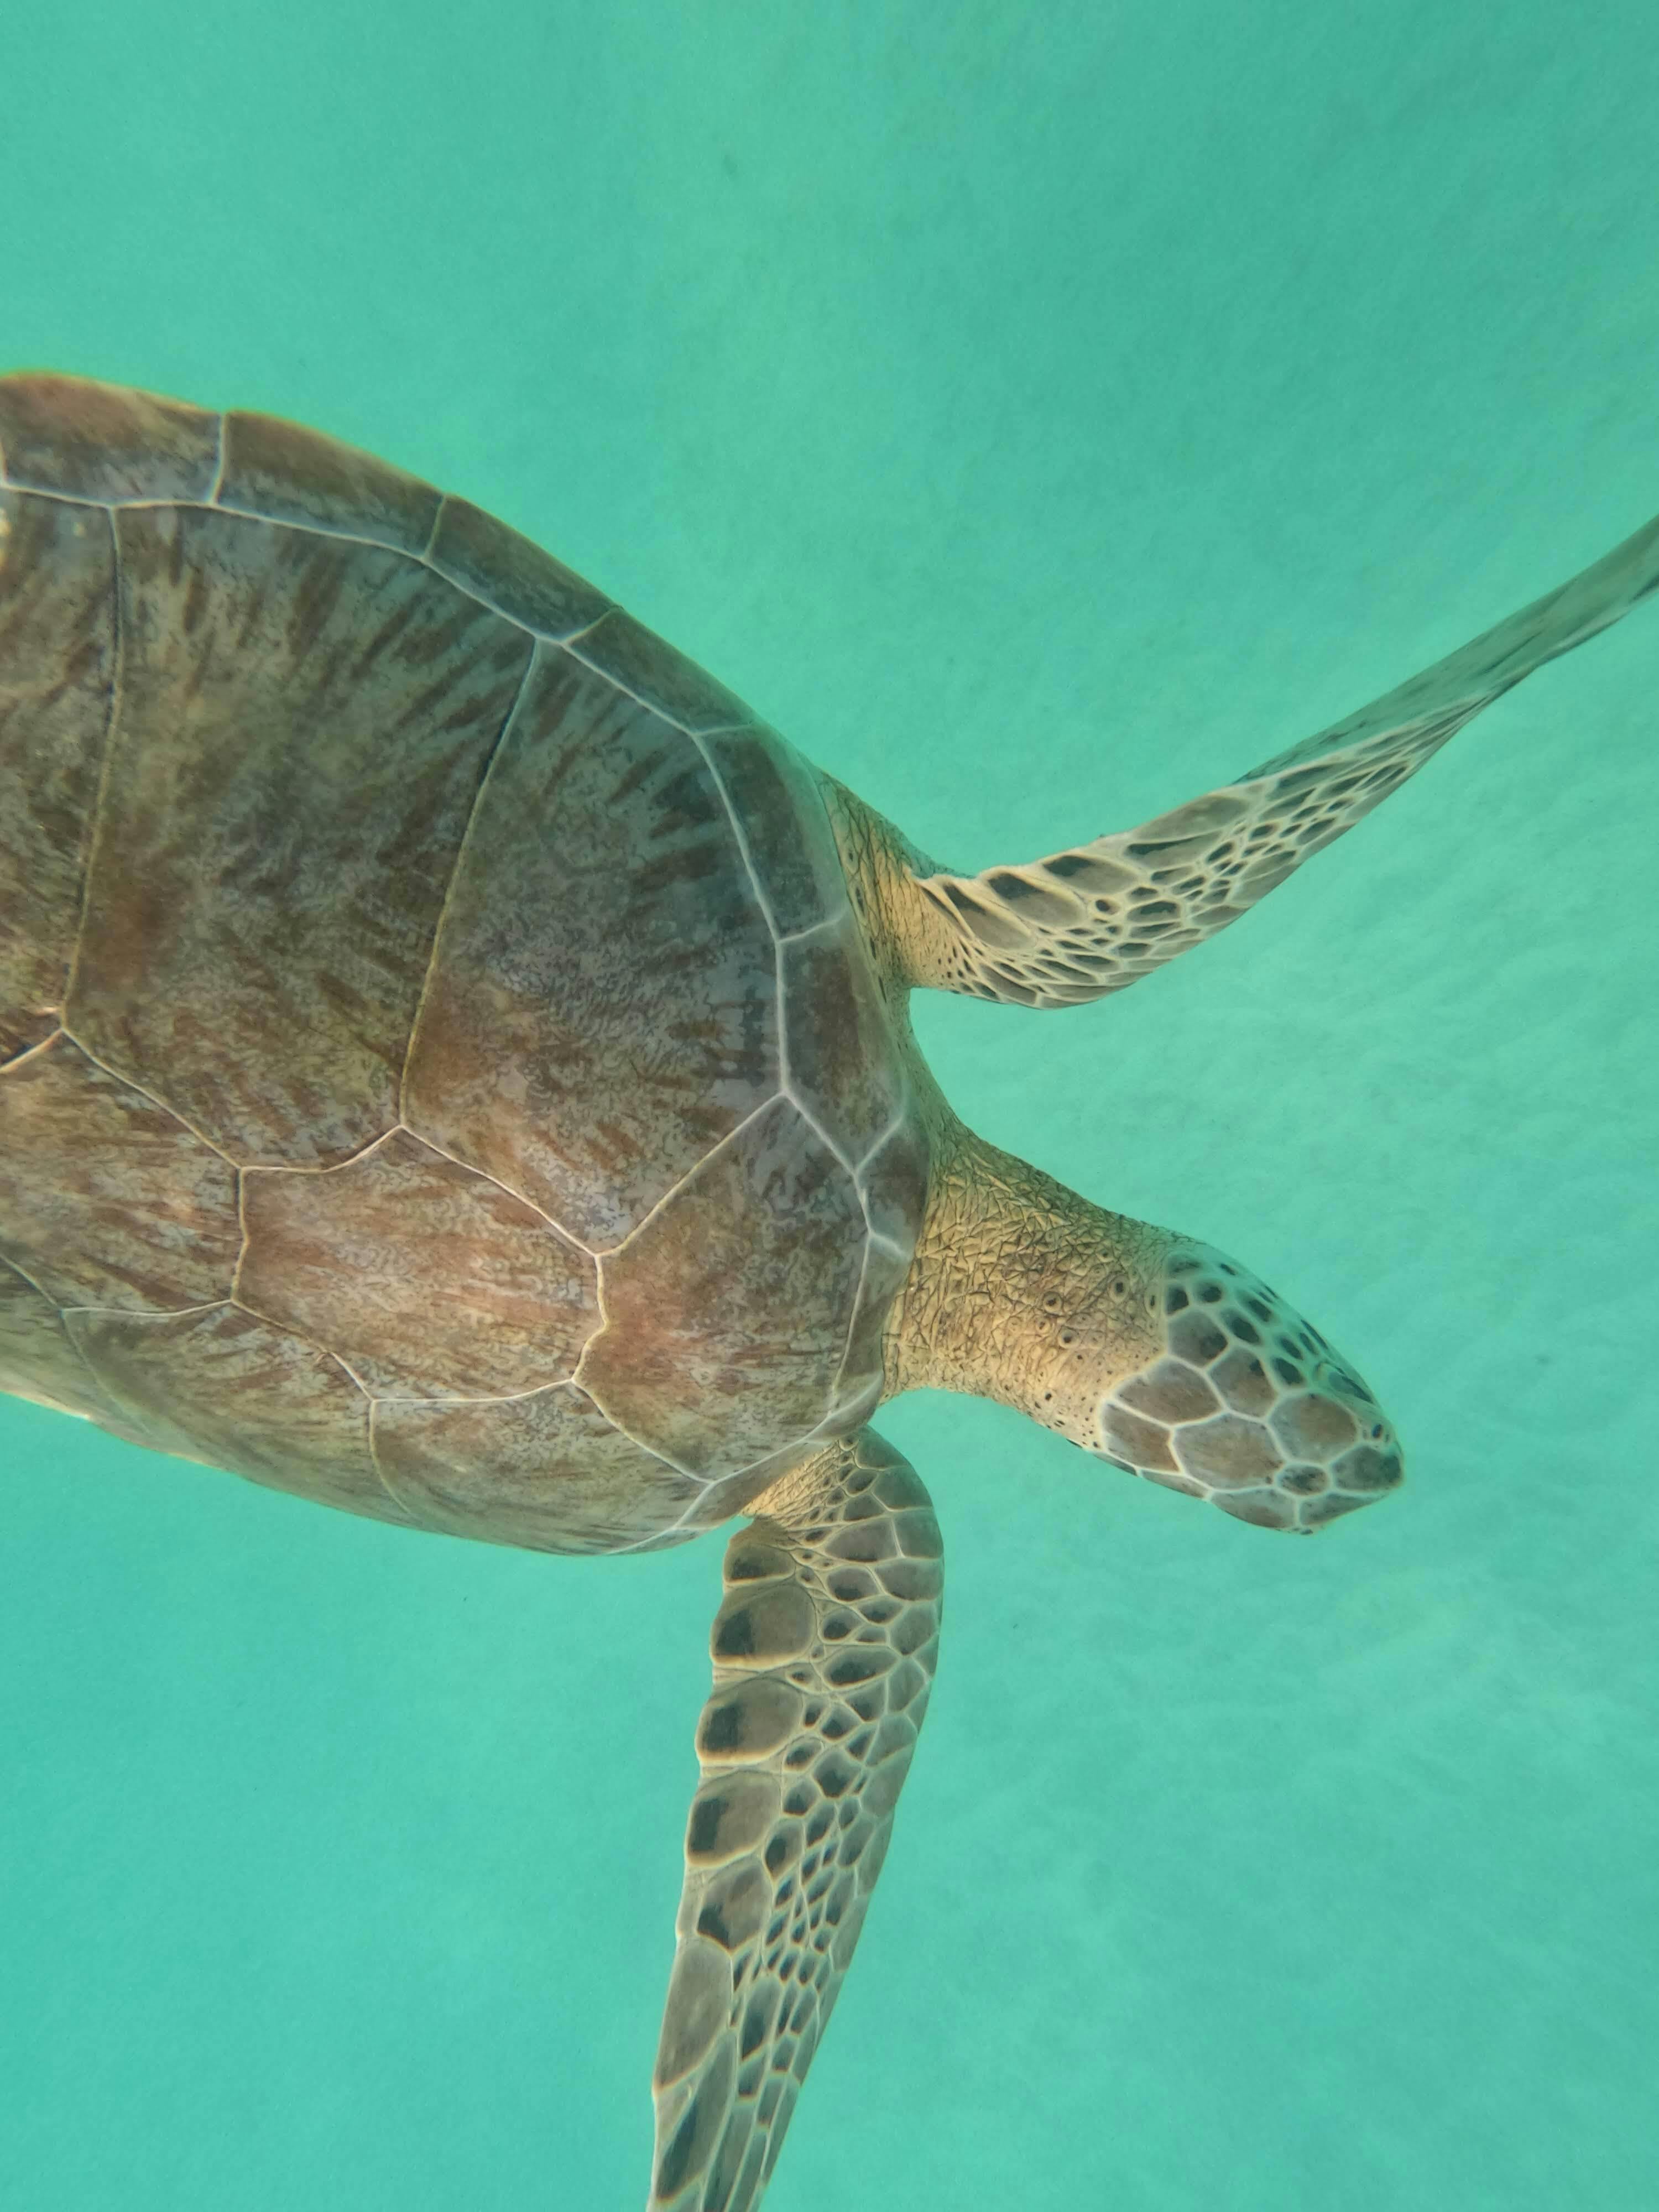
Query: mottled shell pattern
x=440 y=1070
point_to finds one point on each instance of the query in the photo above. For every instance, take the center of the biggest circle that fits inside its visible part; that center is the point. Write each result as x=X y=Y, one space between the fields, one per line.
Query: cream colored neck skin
x=1023 y=1292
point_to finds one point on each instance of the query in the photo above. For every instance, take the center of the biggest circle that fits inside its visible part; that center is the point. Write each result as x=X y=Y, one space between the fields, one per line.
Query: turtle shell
x=441 y=1071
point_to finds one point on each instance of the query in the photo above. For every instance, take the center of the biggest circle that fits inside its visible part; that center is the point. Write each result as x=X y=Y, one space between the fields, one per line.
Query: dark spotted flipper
x=823 y=1654
x=1056 y=931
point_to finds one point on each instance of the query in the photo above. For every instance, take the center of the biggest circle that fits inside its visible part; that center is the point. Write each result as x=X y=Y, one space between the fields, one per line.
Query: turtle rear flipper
x=823 y=1656
x=1092 y=920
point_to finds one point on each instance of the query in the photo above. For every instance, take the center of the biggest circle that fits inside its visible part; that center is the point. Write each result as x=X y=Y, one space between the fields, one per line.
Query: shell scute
x=859 y=1385
x=106 y=1198
x=893 y=1181
x=893 y=1184
x=786 y=826
x=485 y=557
x=547 y=1471
x=284 y=473
x=726 y=1314
x=841 y=1068
x=303 y=726
x=220 y=1385
x=37 y=1359
x=102 y=441
x=651 y=669
x=349 y=1257
x=601 y=1008
x=56 y=665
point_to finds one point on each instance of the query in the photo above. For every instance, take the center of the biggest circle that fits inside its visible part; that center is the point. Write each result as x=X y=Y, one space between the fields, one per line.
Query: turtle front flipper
x=824 y=1652
x=1081 y=923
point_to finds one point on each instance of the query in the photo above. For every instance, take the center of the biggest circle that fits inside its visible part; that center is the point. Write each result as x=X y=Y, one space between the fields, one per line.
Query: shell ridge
x=817 y=928
x=855 y=1308
x=75 y=1350
x=23 y=1275
x=30 y=1052
x=745 y=855
x=825 y=1140
x=704 y=1482
x=244 y=1231
x=650 y=705
x=899 y=1119
x=217 y=484
x=309 y=527
x=285 y=1328
x=116 y=1075
x=492 y=1398
x=483 y=1174
x=660 y=1539
x=697 y=1167
x=95 y=819
x=462 y=844
x=561 y=638
x=374 y=1461
x=426 y=552
x=158 y=1313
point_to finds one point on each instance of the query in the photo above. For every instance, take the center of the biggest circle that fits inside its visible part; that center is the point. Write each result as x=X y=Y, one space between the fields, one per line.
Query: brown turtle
x=454 y=1065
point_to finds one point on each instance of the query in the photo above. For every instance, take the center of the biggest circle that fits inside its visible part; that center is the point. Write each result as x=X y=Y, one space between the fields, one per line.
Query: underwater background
x=1041 y=415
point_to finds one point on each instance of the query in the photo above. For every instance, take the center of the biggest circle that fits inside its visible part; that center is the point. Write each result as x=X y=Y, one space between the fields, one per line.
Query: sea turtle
x=454 y=1065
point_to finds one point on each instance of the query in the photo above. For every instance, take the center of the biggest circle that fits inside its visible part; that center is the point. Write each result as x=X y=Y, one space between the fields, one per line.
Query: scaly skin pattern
x=1021 y=1290
x=823 y=1654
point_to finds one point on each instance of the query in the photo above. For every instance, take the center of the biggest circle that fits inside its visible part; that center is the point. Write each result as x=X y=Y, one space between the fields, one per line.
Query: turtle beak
x=1248 y=1405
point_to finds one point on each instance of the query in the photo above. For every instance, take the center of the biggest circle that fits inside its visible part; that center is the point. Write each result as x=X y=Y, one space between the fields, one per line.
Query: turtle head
x=1243 y=1402
x=1144 y=1347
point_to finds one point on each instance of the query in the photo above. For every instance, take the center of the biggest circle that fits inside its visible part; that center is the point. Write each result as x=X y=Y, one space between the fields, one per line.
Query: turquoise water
x=1041 y=415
